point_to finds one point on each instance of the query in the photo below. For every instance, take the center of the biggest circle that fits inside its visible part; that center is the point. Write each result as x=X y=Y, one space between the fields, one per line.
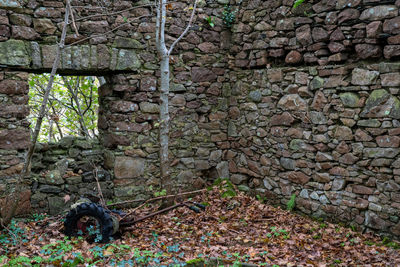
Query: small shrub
x=210 y=20
x=228 y=16
x=291 y=203
x=297 y=3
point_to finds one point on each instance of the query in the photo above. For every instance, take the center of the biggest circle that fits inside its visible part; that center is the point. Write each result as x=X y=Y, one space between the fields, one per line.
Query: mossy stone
x=350 y=99
x=14 y=53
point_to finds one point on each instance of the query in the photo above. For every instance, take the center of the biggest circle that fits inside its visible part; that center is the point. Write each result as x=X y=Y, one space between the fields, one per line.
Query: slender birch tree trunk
x=164 y=53
x=164 y=124
x=164 y=92
x=26 y=169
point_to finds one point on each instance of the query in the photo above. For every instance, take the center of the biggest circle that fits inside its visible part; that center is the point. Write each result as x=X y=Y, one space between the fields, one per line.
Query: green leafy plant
x=228 y=16
x=261 y=199
x=386 y=241
x=291 y=203
x=275 y=232
x=298 y=3
x=14 y=236
x=38 y=217
x=228 y=190
x=211 y=21
x=160 y=193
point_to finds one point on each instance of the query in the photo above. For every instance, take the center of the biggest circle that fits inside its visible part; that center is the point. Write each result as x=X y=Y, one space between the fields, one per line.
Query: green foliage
x=317 y=236
x=291 y=203
x=210 y=21
x=14 y=236
x=160 y=193
x=157 y=193
x=298 y=3
x=386 y=241
x=275 y=232
x=194 y=261
x=38 y=217
x=228 y=16
x=62 y=117
x=261 y=199
x=228 y=190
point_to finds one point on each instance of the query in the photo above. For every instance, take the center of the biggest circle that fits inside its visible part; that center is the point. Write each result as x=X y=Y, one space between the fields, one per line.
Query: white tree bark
x=164 y=54
x=164 y=92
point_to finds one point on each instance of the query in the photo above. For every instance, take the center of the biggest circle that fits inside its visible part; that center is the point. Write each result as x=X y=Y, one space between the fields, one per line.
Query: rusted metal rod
x=186 y=204
x=128 y=223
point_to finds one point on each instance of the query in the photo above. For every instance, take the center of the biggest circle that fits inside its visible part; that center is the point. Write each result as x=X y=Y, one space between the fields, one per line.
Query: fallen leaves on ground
x=239 y=228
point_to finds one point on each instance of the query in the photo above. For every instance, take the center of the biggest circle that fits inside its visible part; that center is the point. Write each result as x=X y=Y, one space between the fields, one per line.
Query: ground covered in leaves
x=239 y=229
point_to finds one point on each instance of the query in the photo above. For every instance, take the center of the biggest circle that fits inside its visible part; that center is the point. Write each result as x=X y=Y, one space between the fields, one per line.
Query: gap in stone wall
x=68 y=157
x=72 y=108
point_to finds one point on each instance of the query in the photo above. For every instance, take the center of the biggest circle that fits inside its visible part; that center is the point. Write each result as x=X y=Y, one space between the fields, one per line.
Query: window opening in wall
x=72 y=109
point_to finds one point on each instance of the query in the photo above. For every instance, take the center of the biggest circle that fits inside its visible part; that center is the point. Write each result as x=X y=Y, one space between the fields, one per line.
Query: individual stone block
x=292 y=102
x=350 y=100
x=379 y=12
x=45 y=26
x=363 y=77
x=14 y=53
x=127 y=167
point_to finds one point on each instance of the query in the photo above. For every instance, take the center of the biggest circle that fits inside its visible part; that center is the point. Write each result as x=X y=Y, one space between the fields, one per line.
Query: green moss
x=377 y=95
x=14 y=53
x=350 y=99
x=194 y=261
x=395 y=112
x=296 y=144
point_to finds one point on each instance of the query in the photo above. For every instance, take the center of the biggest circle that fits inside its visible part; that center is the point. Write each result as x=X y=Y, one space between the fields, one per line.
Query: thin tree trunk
x=26 y=168
x=164 y=125
x=165 y=181
x=78 y=108
x=57 y=123
x=164 y=53
x=50 y=130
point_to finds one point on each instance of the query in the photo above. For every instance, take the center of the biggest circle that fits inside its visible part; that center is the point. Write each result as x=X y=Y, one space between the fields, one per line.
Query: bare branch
x=78 y=107
x=163 y=7
x=158 y=23
x=186 y=30
x=110 y=31
x=114 y=13
x=73 y=20
x=157 y=198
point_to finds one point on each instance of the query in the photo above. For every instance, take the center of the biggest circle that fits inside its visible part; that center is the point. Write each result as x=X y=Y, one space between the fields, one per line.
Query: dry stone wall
x=63 y=171
x=333 y=140
x=326 y=129
x=288 y=101
x=317 y=32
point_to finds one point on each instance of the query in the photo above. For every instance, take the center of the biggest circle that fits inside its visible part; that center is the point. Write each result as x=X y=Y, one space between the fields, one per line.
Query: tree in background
x=71 y=109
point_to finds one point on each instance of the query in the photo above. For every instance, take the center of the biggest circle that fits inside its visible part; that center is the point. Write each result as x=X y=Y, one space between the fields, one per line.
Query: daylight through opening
x=72 y=109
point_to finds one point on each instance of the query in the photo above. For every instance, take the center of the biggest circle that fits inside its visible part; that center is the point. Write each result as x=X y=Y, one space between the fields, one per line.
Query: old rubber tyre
x=91 y=210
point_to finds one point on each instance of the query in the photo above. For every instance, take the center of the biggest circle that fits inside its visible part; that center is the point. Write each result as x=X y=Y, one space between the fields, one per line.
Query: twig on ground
x=8 y=230
x=156 y=198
